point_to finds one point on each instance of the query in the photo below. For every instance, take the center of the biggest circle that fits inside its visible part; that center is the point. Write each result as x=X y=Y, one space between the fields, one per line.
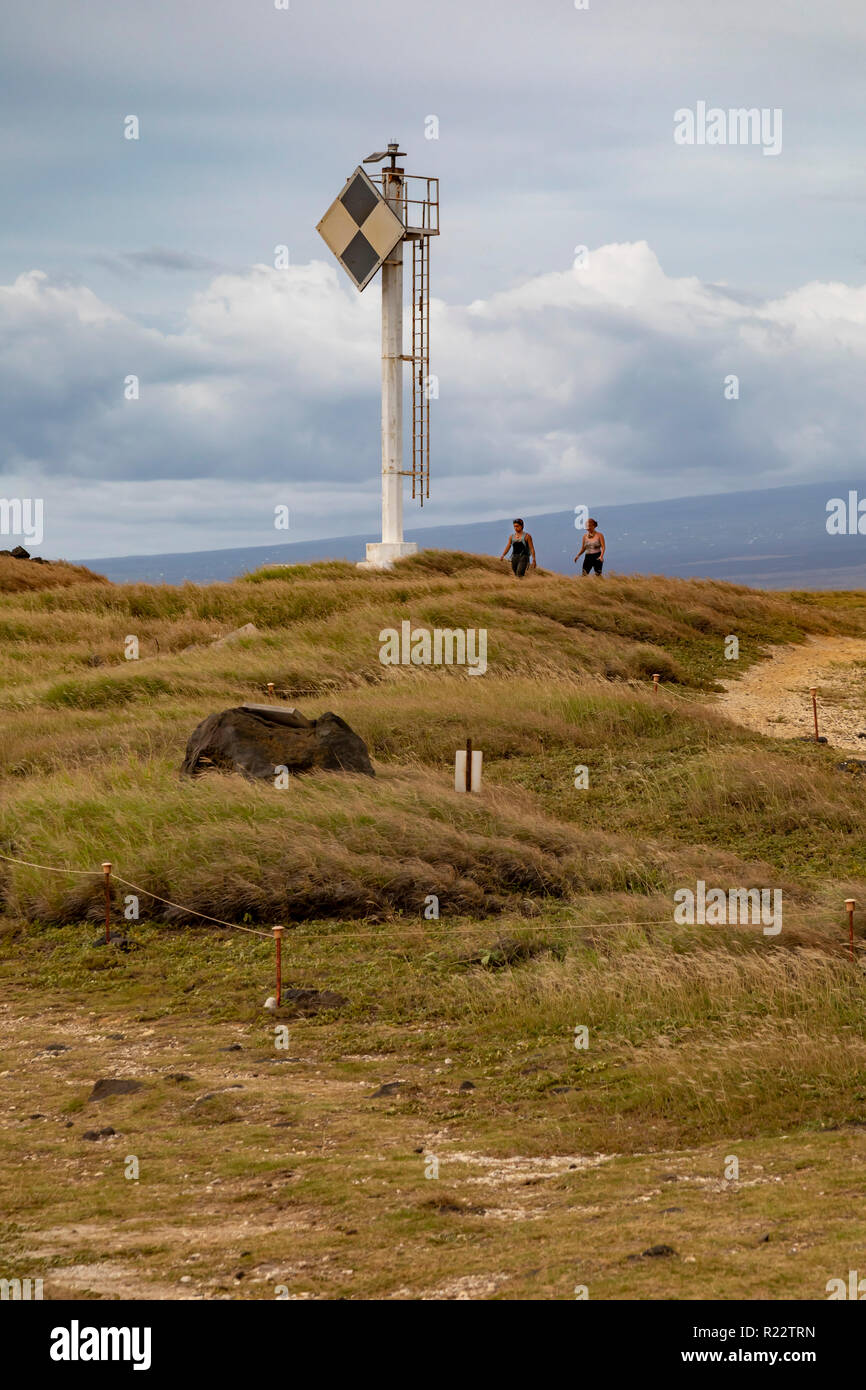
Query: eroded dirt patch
x=772 y=697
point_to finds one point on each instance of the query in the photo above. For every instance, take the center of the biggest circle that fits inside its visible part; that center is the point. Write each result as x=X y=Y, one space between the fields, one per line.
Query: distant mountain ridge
x=775 y=538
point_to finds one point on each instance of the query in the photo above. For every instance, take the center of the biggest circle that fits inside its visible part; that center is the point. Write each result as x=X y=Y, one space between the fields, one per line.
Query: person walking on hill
x=592 y=549
x=521 y=547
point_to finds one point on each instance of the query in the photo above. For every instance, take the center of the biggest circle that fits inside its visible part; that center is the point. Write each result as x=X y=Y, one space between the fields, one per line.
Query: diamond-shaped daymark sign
x=360 y=228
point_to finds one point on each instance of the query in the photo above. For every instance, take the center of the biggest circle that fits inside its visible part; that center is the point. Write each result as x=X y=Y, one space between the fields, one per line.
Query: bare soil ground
x=772 y=697
x=293 y=1182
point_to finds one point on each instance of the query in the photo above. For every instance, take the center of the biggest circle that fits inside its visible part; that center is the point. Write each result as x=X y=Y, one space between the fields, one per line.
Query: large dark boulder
x=257 y=739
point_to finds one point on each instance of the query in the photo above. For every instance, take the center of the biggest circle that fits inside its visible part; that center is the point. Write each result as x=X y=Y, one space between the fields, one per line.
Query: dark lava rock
x=56 y=1047
x=116 y=939
x=232 y=1047
x=94 y=1134
x=257 y=739
x=448 y=1206
x=856 y=765
x=658 y=1251
x=390 y=1088
x=467 y=1085
x=212 y=1095
x=114 y=1087
x=177 y=1076
x=810 y=738
x=19 y=553
x=310 y=1001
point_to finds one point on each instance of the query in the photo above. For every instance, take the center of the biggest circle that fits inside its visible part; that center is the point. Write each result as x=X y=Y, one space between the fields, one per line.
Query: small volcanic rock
x=110 y=1086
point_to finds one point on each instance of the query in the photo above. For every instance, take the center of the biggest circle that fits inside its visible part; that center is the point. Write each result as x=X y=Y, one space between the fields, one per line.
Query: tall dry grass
x=90 y=742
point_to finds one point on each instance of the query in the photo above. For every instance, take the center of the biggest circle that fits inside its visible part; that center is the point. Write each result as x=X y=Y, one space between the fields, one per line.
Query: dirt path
x=772 y=697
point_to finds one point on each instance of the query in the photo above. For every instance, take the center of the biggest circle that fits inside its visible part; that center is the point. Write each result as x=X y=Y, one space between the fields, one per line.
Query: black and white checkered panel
x=360 y=229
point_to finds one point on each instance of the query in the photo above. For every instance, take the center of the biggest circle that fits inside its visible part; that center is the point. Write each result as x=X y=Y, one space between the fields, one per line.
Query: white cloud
x=607 y=378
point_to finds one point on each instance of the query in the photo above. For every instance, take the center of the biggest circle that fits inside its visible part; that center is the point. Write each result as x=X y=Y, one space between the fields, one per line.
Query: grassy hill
x=28 y=576
x=556 y=912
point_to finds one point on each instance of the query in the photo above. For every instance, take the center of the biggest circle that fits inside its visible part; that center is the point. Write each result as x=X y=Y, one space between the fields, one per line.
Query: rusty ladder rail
x=420 y=367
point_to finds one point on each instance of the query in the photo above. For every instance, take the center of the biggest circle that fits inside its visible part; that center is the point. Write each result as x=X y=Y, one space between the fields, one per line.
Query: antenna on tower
x=365 y=227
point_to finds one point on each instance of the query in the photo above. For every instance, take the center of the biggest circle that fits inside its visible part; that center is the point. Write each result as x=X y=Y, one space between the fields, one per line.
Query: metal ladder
x=420 y=367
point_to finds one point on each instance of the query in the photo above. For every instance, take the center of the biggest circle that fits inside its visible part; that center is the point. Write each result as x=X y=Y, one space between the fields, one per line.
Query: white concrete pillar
x=392 y=379
x=381 y=555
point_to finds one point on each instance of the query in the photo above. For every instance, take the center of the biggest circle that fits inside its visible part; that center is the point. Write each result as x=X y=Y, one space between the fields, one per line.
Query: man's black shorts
x=592 y=563
x=518 y=564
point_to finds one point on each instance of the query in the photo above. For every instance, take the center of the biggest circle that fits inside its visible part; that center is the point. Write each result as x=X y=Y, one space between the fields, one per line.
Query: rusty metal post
x=106 y=869
x=278 y=938
x=814 y=693
x=656 y=678
x=850 y=904
x=469 y=764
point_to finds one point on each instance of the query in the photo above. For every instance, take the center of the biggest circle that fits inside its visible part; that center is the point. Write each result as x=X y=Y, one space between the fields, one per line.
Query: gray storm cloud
x=610 y=373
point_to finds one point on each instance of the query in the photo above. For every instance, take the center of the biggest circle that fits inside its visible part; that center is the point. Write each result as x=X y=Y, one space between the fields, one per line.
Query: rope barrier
x=48 y=868
x=204 y=915
x=417 y=925
x=358 y=935
x=565 y=926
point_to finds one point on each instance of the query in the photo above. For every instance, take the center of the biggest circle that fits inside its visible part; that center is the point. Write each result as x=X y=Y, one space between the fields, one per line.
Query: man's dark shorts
x=518 y=564
x=592 y=563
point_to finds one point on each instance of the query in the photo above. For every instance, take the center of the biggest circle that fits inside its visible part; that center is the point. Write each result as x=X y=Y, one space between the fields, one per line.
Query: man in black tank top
x=521 y=547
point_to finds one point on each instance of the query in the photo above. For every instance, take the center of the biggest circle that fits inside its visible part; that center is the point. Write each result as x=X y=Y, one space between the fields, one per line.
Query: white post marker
x=472 y=783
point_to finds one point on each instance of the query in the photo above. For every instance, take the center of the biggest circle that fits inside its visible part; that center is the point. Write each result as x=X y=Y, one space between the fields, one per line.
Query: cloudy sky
x=564 y=378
